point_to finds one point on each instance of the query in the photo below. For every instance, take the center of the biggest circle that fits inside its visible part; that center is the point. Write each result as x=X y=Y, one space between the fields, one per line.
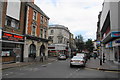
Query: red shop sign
x=12 y=37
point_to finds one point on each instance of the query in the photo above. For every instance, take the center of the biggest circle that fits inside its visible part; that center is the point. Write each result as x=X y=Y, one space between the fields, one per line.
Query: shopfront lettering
x=12 y=37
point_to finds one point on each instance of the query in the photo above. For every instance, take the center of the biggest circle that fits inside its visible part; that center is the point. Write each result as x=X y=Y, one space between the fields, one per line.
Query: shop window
x=7 y=53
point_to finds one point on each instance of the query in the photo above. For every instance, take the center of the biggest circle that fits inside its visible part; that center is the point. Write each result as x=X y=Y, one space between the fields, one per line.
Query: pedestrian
x=103 y=58
x=41 y=57
x=34 y=56
x=95 y=55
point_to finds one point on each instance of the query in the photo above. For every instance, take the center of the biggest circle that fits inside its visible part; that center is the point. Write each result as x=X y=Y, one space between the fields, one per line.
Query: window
x=41 y=33
x=59 y=40
x=34 y=15
x=41 y=19
x=51 y=38
x=33 y=30
x=52 y=31
x=12 y=22
x=46 y=21
x=45 y=34
x=8 y=22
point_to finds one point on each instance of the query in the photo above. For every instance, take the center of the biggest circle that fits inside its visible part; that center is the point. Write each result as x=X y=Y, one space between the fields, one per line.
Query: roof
x=37 y=9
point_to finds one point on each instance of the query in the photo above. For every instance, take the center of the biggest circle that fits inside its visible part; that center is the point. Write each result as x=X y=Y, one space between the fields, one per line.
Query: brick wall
x=11 y=29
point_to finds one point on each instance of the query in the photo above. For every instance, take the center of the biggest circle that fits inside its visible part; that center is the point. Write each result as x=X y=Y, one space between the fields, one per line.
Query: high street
x=56 y=69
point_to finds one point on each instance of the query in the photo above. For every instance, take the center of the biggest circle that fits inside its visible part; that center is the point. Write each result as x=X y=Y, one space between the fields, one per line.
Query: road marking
x=49 y=63
x=112 y=71
x=89 y=69
x=44 y=66
x=102 y=70
x=72 y=73
x=6 y=74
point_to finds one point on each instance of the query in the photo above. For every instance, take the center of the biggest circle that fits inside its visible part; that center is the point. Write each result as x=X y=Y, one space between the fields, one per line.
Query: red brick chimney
x=32 y=1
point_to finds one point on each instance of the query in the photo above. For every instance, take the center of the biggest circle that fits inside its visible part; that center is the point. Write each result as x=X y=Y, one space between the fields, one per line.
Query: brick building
x=36 y=34
x=13 y=31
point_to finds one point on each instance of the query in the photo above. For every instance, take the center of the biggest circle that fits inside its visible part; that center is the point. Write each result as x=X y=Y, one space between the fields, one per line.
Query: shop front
x=35 y=47
x=116 y=45
x=12 y=47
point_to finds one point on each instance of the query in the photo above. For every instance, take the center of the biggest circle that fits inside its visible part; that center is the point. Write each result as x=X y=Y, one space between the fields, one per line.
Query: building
x=59 y=35
x=72 y=43
x=110 y=30
x=98 y=40
x=1 y=8
x=36 y=33
x=13 y=31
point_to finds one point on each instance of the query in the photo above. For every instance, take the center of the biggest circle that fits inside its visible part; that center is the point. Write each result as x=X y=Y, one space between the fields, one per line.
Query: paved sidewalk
x=107 y=66
x=12 y=65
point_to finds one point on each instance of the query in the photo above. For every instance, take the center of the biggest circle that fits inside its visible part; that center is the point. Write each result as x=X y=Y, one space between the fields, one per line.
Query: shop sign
x=115 y=34
x=108 y=45
x=12 y=37
x=116 y=42
x=51 y=47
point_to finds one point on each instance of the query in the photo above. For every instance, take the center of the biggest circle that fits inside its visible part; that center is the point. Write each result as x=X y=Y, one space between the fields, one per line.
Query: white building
x=59 y=35
x=110 y=30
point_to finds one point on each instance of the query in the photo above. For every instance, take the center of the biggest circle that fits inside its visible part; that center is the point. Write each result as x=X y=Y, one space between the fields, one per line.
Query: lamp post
x=100 y=54
x=101 y=48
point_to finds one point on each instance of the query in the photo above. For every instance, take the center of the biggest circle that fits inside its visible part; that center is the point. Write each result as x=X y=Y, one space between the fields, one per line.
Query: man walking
x=41 y=57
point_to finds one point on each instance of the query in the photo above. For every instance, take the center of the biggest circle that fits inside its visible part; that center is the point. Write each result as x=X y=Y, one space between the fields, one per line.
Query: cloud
x=78 y=15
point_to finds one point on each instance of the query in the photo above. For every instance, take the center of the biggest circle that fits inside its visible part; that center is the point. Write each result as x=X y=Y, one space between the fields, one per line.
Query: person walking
x=95 y=55
x=103 y=58
x=41 y=57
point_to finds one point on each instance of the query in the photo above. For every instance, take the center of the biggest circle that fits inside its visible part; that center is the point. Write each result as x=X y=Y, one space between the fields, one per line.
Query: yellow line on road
x=113 y=71
x=104 y=71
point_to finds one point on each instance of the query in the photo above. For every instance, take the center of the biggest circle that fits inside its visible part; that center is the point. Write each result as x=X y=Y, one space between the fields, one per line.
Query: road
x=56 y=69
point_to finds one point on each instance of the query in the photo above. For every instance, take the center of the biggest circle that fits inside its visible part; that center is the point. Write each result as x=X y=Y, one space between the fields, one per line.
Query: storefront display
x=12 y=47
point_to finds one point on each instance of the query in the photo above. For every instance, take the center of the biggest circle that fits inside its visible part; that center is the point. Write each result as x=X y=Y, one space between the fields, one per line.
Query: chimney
x=32 y=1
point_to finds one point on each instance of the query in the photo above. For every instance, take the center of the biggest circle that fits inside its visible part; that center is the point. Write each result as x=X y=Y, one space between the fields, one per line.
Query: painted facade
x=60 y=36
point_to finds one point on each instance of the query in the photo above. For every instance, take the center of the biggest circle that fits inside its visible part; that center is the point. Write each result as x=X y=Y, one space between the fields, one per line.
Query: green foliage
x=79 y=43
x=89 y=45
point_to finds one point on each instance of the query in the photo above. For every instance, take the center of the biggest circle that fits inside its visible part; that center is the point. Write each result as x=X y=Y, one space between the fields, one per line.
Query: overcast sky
x=80 y=16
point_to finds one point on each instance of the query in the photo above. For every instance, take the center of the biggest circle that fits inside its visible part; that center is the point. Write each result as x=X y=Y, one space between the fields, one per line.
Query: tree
x=79 y=43
x=89 y=45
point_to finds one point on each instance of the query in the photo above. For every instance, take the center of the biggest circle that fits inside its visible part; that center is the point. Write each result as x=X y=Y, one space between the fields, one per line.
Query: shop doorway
x=32 y=51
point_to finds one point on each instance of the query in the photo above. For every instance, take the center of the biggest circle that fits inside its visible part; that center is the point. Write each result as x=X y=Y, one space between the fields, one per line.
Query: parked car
x=62 y=57
x=77 y=61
